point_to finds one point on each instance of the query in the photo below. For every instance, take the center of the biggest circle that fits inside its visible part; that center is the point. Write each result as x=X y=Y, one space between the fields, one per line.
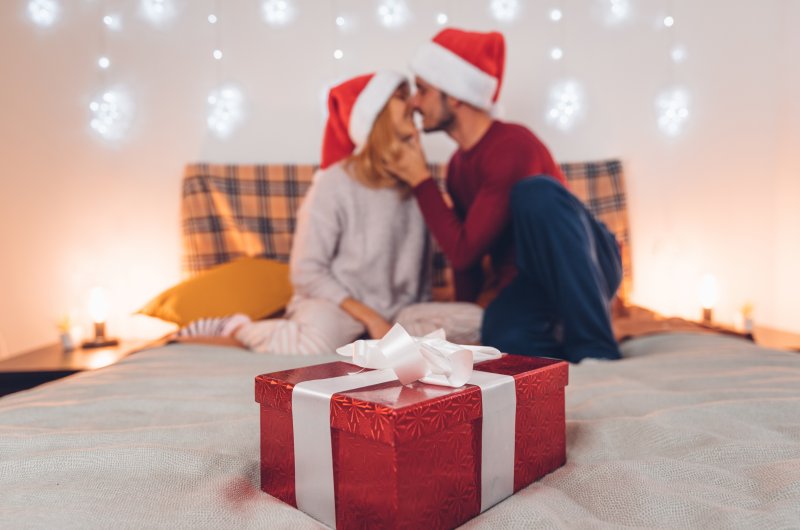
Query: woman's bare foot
x=213 y=327
x=214 y=341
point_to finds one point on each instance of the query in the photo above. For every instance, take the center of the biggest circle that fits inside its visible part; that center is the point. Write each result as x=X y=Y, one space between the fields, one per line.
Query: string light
x=158 y=11
x=112 y=111
x=44 y=13
x=393 y=13
x=672 y=104
x=112 y=114
x=278 y=12
x=505 y=10
x=618 y=10
x=213 y=19
x=678 y=54
x=225 y=110
x=113 y=22
x=566 y=104
x=341 y=22
x=672 y=107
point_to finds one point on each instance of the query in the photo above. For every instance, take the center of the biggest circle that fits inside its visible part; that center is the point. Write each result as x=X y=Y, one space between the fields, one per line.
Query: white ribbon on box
x=399 y=356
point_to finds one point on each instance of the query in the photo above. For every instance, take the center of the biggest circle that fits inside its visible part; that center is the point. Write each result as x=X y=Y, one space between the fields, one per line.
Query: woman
x=361 y=251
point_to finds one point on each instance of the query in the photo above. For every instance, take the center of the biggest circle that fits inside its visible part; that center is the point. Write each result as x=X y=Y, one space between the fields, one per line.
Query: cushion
x=254 y=286
x=229 y=211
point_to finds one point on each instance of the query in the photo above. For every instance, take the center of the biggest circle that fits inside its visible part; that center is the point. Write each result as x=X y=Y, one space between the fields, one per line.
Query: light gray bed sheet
x=688 y=431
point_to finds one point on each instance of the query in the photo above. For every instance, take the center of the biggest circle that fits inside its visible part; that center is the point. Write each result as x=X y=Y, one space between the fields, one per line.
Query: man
x=556 y=267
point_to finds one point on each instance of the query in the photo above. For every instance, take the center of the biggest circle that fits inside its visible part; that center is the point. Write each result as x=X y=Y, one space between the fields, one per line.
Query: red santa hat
x=464 y=64
x=353 y=107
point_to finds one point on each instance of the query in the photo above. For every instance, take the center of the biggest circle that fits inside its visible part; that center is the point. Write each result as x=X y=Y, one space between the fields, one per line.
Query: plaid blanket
x=230 y=211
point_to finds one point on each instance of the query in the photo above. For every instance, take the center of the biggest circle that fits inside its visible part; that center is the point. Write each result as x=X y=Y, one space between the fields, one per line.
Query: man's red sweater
x=479 y=180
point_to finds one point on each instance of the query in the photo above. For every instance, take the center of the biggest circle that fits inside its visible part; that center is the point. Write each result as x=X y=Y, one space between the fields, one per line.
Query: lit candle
x=98 y=309
x=708 y=296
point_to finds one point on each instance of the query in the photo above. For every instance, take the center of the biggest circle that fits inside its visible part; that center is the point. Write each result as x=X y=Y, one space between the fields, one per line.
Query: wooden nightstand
x=45 y=364
x=763 y=336
x=775 y=338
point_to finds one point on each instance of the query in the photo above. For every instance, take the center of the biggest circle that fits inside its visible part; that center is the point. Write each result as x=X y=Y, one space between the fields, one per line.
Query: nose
x=413 y=101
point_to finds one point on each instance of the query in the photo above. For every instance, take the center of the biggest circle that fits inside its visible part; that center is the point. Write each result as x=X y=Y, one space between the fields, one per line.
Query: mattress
x=686 y=431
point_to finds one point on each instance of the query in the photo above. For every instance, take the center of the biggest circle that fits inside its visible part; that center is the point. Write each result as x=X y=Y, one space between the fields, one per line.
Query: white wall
x=787 y=198
x=77 y=212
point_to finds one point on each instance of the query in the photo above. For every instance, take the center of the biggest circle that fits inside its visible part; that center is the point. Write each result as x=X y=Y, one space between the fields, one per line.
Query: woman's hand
x=377 y=328
x=375 y=324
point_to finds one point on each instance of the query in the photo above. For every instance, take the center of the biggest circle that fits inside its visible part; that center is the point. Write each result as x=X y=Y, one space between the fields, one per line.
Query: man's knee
x=535 y=196
x=507 y=339
x=499 y=331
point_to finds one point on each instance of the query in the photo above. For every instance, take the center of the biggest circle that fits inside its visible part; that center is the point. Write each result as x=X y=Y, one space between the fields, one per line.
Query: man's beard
x=446 y=121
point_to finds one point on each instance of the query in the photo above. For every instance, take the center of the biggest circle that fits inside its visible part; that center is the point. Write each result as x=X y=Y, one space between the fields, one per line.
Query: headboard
x=230 y=211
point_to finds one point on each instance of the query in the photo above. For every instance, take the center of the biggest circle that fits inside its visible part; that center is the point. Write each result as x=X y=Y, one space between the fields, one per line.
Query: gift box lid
x=392 y=413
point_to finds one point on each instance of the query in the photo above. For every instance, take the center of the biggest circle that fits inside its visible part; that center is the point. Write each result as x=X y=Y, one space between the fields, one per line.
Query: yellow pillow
x=256 y=287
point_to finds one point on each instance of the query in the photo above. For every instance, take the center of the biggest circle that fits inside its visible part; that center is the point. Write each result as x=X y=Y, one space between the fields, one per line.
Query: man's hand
x=408 y=162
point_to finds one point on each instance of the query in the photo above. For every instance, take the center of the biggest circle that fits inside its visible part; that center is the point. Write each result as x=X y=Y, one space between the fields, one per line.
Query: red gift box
x=410 y=456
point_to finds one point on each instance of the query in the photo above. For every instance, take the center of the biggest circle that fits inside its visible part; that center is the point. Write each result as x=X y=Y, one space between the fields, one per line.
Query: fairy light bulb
x=111 y=114
x=678 y=54
x=113 y=22
x=44 y=13
x=672 y=108
x=618 y=10
x=393 y=13
x=158 y=11
x=505 y=10
x=565 y=104
x=225 y=111
x=278 y=12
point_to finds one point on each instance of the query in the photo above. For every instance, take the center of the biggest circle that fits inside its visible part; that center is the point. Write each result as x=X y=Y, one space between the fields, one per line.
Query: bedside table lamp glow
x=708 y=297
x=98 y=310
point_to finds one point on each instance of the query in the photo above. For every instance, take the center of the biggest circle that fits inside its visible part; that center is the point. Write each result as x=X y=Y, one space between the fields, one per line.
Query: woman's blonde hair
x=368 y=166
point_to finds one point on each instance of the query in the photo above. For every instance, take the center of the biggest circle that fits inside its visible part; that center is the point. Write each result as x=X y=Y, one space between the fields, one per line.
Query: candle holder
x=708 y=298
x=98 y=308
x=100 y=340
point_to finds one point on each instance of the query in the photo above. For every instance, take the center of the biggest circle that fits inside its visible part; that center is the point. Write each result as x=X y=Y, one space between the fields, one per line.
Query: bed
x=687 y=430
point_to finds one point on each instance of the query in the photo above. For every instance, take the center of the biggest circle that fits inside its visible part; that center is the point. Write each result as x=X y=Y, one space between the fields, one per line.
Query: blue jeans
x=569 y=268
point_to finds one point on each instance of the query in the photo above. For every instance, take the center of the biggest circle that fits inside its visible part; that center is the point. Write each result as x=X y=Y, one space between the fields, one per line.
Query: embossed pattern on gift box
x=409 y=456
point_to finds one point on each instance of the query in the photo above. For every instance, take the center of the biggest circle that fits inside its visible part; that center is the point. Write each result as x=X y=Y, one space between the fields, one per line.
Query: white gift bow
x=430 y=359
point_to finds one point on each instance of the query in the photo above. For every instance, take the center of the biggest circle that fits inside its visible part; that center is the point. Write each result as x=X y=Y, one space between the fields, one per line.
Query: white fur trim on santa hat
x=454 y=75
x=369 y=104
